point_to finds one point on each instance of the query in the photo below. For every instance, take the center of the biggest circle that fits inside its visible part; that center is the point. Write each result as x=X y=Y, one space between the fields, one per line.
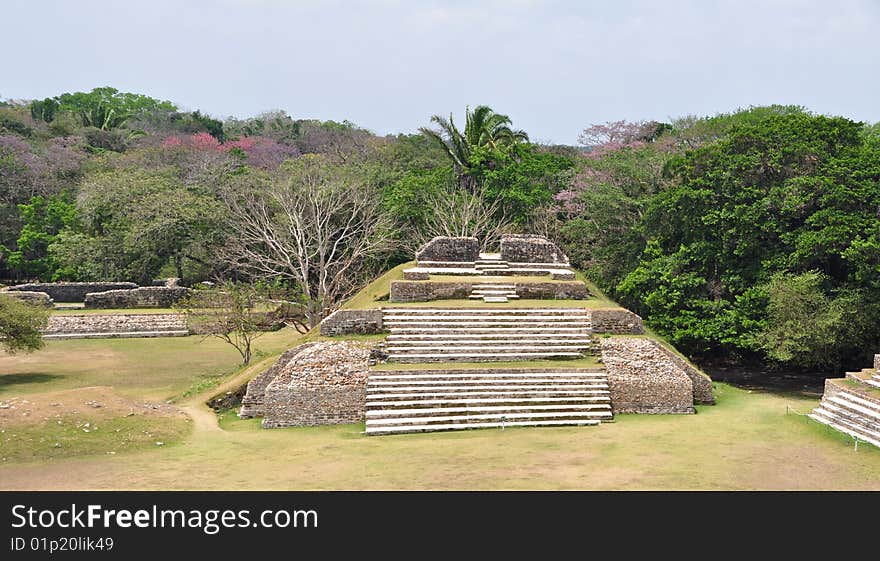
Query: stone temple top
x=515 y=248
x=522 y=255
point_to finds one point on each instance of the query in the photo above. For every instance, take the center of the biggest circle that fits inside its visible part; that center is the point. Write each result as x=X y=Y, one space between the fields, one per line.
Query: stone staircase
x=491 y=264
x=849 y=413
x=433 y=400
x=481 y=334
x=493 y=292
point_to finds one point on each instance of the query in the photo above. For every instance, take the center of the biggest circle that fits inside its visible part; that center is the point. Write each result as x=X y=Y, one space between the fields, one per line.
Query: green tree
x=807 y=327
x=43 y=219
x=21 y=325
x=108 y=108
x=484 y=128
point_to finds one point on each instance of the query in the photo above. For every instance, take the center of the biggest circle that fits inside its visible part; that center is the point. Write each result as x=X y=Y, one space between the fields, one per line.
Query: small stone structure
x=71 y=291
x=443 y=248
x=643 y=379
x=877 y=362
x=73 y=326
x=618 y=321
x=526 y=248
x=252 y=402
x=322 y=383
x=352 y=322
x=35 y=298
x=142 y=297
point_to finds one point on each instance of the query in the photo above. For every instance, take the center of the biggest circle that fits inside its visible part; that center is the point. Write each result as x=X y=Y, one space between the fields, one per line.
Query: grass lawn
x=152 y=368
x=745 y=442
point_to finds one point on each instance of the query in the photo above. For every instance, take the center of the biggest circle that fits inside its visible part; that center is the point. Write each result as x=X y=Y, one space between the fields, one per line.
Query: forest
x=746 y=237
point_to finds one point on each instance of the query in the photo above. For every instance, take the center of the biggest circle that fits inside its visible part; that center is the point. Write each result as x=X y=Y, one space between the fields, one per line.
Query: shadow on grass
x=26 y=378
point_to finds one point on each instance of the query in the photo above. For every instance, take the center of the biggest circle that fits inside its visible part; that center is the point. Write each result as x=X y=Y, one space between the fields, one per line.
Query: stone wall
x=443 y=248
x=574 y=290
x=72 y=291
x=143 y=297
x=618 y=321
x=517 y=248
x=252 y=402
x=348 y=322
x=642 y=379
x=80 y=324
x=426 y=291
x=703 y=394
x=877 y=363
x=324 y=384
x=35 y=298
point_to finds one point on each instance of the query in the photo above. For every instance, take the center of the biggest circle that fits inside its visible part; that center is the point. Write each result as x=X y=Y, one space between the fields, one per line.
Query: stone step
x=825 y=417
x=504 y=335
x=431 y=411
x=117 y=335
x=500 y=401
x=874 y=381
x=477 y=321
x=455 y=340
x=462 y=426
x=580 y=328
x=495 y=299
x=458 y=349
x=480 y=357
x=465 y=418
x=492 y=394
x=447 y=264
x=492 y=291
x=476 y=311
x=479 y=374
x=493 y=286
x=483 y=298
x=373 y=383
x=507 y=387
x=858 y=405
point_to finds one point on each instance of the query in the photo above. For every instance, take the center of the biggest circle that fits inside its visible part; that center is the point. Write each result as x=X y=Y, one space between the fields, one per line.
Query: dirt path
x=203 y=417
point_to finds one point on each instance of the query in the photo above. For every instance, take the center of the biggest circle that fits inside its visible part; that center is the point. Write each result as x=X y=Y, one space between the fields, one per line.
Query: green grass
x=376 y=293
x=155 y=368
x=745 y=442
x=67 y=437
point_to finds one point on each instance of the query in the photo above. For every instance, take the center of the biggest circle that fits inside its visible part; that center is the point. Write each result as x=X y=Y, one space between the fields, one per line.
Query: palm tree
x=483 y=128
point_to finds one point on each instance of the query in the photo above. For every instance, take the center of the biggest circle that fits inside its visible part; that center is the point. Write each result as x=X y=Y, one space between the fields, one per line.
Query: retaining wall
x=93 y=324
x=348 y=322
x=35 y=298
x=619 y=321
x=143 y=297
x=642 y=379
x=71 y=291
x=323 y=384
x=426 y=291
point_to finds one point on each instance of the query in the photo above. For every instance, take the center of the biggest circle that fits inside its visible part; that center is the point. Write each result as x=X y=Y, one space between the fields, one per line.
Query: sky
x=554 y=66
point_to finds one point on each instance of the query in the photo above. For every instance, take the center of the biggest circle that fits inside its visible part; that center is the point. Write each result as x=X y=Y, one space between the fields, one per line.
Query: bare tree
x=315 y=224
x=455 y=212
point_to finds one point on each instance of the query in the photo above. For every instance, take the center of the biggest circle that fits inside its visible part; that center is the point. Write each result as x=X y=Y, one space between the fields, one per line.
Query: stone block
x=443 y=248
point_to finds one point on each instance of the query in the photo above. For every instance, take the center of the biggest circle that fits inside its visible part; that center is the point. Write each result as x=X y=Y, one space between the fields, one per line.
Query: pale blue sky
x=554 y=66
